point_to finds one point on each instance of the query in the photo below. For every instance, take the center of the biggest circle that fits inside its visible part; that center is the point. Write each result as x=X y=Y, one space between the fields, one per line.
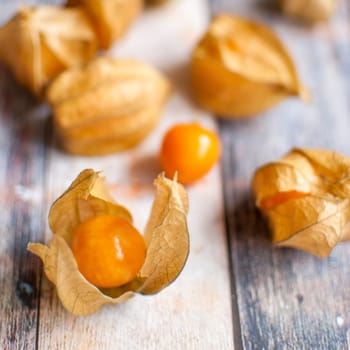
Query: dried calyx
x=241 y=68
x=40 y=42
x=166 y=238
x=110 y=18
x=306 y=198
x=107 y=105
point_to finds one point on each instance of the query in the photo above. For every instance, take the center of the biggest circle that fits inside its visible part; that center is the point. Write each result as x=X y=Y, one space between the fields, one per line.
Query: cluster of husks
x=40 y=42
x=239 y=68
x=99 y=107
x=107 y=105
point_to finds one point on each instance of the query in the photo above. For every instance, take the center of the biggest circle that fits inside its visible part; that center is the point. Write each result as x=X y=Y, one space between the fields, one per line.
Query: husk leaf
x=166 y=238
x=164 y=232
x=309 y=11
x=314 y=212
x=111 y=18
x=241 y=68
x=40 y=42
x=107 y=106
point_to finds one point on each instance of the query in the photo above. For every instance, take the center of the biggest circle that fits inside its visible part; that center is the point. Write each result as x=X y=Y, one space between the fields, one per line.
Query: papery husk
x=317 y=219
x=111 y=18
x=166 y=238
x=310 y=10
x=107 y=106
x=241 y=68
x=40 y=42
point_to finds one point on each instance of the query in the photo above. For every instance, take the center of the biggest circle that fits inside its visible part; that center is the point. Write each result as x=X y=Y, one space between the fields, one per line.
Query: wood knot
x=26 y=293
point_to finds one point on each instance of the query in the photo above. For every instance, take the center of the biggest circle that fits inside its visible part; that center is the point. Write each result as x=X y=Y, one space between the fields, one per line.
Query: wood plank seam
x=236 y=324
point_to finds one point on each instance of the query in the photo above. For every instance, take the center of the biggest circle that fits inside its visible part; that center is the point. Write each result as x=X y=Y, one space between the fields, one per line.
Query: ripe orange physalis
x=109 y=251
x=190 y=150
x=280 y=198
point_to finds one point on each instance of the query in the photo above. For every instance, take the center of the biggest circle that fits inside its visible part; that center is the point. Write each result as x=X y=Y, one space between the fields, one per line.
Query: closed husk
x=107 y=105
x=40 y=42
x=240 y=68
x=111 y=18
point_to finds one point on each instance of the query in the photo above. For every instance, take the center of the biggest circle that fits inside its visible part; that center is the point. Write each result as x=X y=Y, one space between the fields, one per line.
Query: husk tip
x=304 y=94
x=175 y=177
x=30 y=246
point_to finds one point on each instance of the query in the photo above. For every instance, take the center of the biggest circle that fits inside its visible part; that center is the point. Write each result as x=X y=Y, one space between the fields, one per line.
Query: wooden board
x=194 y=312
x=254 y=297
x=287 y=299
x=22 y=177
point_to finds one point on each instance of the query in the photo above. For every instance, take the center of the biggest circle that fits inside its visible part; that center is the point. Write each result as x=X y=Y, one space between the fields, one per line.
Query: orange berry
x=189 y=149
x=109 y=251
x=280 y=198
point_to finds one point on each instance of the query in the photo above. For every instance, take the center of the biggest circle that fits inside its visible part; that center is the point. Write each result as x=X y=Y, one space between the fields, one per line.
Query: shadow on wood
x=249 y=224
x=144 y=170
x=268 y=7
x=23 y=139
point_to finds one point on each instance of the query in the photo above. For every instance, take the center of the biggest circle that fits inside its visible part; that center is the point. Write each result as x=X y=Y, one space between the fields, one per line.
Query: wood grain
x=269 y=298
x=23 y=133
x=194 y=312
x=287 y=299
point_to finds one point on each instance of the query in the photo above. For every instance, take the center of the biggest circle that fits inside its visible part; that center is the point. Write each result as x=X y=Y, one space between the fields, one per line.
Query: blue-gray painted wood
x=287 y=299
x=22 y=177
x=282 y=298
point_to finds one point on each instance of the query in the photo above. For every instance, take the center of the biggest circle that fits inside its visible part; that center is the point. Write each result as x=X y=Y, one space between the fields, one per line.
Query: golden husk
x=310 y=10
x=40 y=42
x=318 y=219
x=166 y=238
x=107 y=106
x=241 y=68
x=111 y=18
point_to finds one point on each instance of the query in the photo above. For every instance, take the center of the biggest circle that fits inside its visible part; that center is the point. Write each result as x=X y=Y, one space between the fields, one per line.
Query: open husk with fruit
x=166 y=238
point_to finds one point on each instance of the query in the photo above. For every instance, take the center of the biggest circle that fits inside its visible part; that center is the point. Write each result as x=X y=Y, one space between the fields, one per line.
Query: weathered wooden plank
x=287 y=299
x=22 y=135
x=194 y=312
x=24 y=129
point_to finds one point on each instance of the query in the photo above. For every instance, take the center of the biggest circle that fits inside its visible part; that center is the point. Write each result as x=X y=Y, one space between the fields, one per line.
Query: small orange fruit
x=109 y=251
x=280 y=198
x=190 y=150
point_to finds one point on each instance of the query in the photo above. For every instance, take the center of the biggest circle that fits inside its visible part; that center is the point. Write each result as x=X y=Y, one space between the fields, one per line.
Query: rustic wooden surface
x=195 y=311
x=237 y=291
x=283 y=298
